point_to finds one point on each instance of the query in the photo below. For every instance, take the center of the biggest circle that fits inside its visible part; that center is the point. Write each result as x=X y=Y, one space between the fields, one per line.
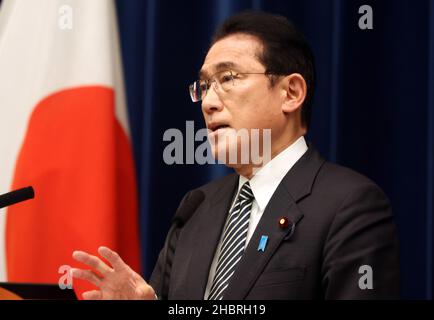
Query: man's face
x=249 y=104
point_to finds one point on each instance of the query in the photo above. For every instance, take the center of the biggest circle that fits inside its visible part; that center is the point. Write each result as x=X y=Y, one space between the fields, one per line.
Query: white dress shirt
x=263 y=184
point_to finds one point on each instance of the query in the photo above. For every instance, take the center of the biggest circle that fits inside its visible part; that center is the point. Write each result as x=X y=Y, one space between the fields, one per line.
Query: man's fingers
x=112 y=257
x=91 y=261
x=86 y=275
x=92 y=295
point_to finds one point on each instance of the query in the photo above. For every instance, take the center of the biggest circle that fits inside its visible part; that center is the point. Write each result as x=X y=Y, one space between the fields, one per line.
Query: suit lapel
x=295 y=185
x=254 y=261
x=208 y=234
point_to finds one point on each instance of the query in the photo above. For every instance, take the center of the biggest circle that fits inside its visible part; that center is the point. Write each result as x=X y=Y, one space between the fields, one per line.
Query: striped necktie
x=234 y=241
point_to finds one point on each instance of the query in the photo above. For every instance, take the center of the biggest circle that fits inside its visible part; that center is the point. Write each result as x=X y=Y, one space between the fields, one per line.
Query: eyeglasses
x=222 y=81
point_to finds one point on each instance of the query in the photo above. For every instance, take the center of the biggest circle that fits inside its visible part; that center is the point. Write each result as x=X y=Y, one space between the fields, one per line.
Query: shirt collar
x=266 y=180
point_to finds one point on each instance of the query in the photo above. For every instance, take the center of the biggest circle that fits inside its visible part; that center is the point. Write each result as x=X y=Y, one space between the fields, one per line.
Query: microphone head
x=16 y=196
x=184 y=213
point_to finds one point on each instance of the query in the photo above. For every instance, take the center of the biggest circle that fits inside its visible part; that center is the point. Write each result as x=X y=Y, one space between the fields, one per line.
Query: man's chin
x=227 y=155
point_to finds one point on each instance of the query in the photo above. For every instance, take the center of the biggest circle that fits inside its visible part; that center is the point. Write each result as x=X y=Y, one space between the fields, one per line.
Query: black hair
x=285 y=49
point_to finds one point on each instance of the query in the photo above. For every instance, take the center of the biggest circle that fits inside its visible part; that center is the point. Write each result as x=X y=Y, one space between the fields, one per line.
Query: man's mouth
x=217 y=126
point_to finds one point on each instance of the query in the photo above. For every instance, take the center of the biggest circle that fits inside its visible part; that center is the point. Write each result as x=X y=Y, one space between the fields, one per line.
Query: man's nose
x=211 y=102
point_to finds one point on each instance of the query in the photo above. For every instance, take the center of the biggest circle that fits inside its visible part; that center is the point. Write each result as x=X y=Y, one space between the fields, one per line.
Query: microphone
x=182 y=215
x=16 y=196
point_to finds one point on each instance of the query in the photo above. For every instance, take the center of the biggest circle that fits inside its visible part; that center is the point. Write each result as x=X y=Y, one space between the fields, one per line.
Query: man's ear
x=295 y=88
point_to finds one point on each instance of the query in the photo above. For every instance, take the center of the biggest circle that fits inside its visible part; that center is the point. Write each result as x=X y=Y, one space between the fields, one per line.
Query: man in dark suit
x=294 y=227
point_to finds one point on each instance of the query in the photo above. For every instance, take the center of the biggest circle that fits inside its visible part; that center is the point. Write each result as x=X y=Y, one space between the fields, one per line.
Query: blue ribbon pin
x=262 y=243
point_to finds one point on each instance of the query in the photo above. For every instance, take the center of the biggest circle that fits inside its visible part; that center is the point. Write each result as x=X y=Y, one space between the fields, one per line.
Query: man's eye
x=203 y=86
x=225 y=77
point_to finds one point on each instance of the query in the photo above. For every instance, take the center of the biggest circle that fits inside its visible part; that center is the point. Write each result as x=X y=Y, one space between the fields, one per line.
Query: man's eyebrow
x=218 y=67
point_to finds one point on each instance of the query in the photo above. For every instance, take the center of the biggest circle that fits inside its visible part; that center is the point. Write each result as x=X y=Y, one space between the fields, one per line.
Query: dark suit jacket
x=342 y=221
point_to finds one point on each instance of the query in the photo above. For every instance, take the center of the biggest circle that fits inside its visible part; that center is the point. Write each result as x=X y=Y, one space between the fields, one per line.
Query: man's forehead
x=233 y=52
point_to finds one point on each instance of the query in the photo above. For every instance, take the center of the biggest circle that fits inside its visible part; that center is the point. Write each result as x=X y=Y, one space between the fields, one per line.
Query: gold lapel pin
x=284 y=223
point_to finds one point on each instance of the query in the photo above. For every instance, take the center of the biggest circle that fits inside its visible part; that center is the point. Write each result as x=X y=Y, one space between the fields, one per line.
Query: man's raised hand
x=115 y=282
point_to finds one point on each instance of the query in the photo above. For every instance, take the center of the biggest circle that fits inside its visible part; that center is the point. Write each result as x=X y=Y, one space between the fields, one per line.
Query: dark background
x=373 y=108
